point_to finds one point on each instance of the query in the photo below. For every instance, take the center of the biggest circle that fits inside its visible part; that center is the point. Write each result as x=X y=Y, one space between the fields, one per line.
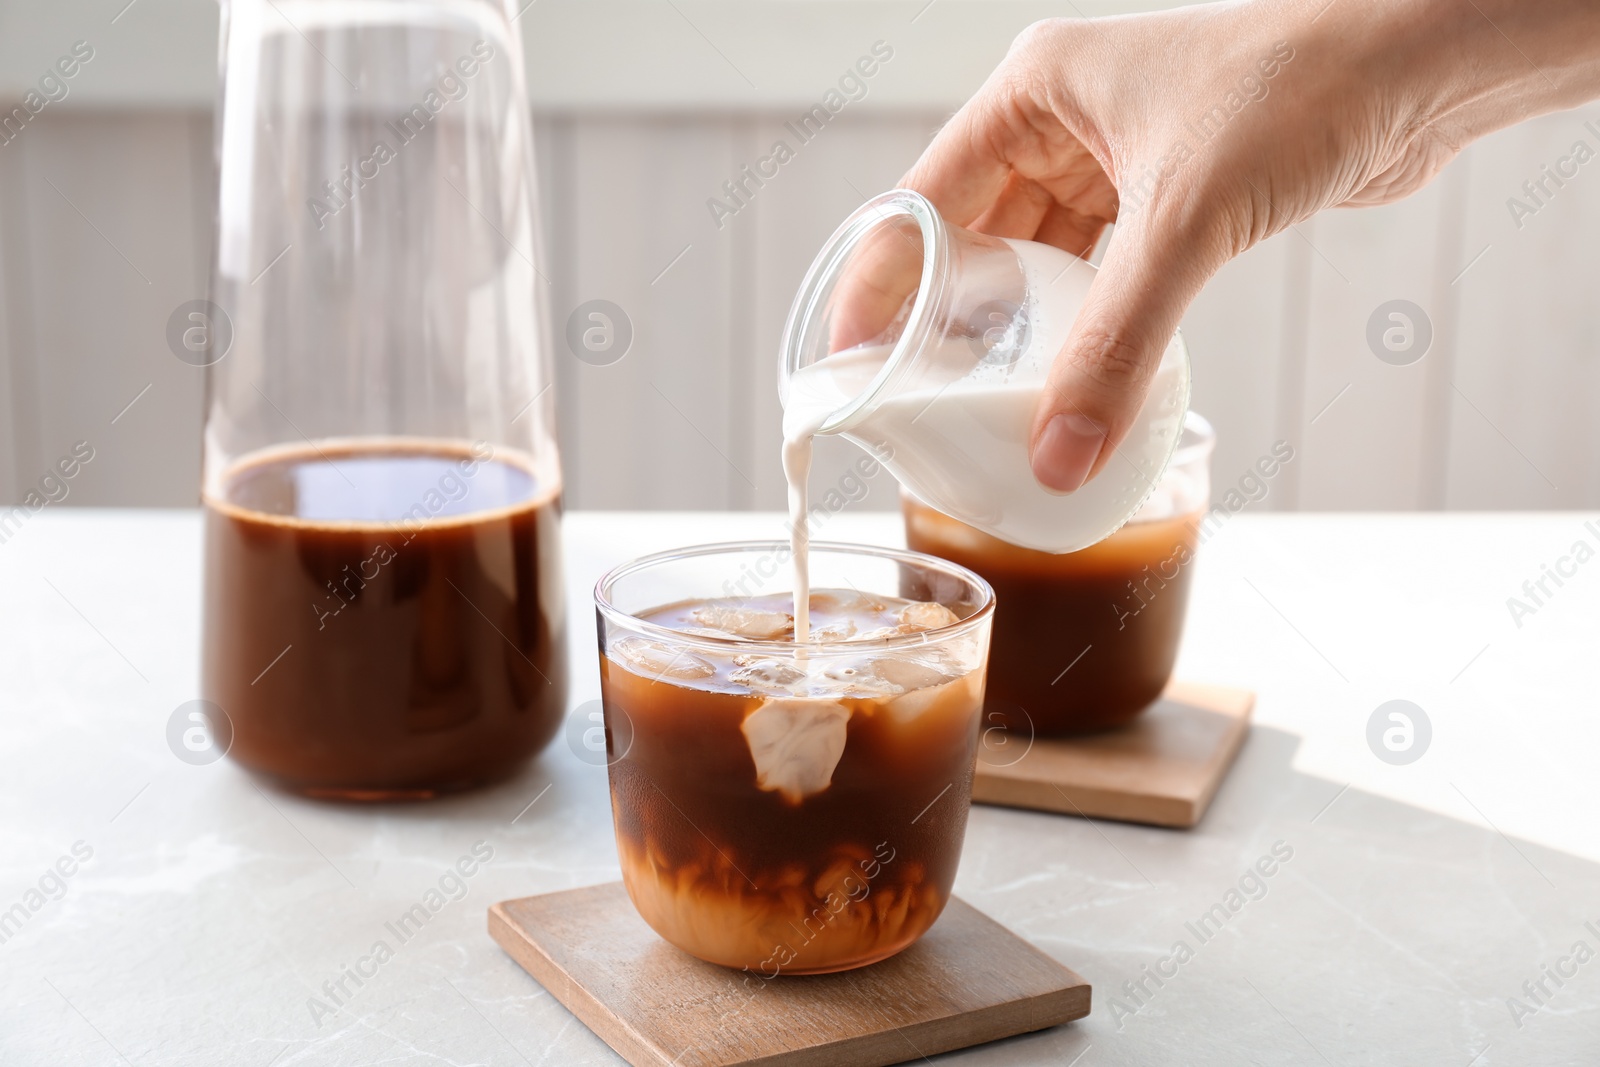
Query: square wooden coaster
x=1163 y=768
x=969 y=980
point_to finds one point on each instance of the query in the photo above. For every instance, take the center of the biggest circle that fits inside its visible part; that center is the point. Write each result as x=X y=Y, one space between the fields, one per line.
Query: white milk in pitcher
x=956 y=428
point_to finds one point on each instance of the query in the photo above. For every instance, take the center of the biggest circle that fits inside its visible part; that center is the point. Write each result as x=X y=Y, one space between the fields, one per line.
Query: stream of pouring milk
x=797 y=471
x=815 y=393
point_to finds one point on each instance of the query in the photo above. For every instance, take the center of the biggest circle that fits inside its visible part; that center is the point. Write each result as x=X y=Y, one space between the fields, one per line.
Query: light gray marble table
x=1419 y=900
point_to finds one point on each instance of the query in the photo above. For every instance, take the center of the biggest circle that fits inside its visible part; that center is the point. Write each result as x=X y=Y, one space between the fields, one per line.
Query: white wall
x=105 y=216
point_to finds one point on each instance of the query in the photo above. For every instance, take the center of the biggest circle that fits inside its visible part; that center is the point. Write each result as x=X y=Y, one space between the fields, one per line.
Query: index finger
x=962 y=172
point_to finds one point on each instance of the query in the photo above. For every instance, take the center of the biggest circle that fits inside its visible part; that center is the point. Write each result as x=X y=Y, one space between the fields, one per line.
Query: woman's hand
x=1202 y=131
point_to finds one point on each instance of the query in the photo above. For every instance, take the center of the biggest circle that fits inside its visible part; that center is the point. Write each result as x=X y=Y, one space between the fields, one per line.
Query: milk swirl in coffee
x=785 y=810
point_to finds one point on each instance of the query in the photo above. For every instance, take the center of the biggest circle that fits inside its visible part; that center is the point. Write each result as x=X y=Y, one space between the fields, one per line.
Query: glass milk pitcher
x=383 y=603
x=929 y=345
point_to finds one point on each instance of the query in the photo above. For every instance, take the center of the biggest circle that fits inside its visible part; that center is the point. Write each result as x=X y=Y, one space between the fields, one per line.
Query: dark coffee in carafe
x=385 y=620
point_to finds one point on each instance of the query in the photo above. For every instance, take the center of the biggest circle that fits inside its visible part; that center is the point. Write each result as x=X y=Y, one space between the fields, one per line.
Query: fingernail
x=1067 y=450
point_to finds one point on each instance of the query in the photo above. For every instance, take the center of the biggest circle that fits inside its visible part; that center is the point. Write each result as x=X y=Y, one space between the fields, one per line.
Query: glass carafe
x=383 y=613
x=930 y=345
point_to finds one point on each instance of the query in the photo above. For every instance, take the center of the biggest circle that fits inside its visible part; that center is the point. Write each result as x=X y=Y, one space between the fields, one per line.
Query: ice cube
x=658 y=661
x=926 y=615
x=878 y=634
x=752 y=624
x=766 y=672
x=838 y=630
x=910 y=673
x=700 y=631
x=796 y=744
x=885 y=675
x=911 y=705
x=837 y=603
x=858 y=677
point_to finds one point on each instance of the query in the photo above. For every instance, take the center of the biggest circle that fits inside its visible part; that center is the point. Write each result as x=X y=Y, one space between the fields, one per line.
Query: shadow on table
x=1391 y=934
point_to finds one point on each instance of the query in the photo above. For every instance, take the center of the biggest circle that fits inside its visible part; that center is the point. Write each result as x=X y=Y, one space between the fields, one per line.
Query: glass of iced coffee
x=1085 y=641
x=783 y=807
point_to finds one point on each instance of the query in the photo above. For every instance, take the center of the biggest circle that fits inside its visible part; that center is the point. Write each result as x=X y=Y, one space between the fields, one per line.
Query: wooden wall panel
x=689 y=418
x=1236 y=333
x=1361 y=418
x=1526 y=391
x=552 y=143
x=649 y=430
x=111 y=244
x=16 y=363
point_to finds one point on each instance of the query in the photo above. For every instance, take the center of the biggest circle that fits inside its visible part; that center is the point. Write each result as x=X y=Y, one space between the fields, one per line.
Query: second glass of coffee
x=1085 y=641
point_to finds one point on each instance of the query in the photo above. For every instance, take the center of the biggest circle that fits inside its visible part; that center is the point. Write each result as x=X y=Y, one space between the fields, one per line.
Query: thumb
x=1101 y=376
